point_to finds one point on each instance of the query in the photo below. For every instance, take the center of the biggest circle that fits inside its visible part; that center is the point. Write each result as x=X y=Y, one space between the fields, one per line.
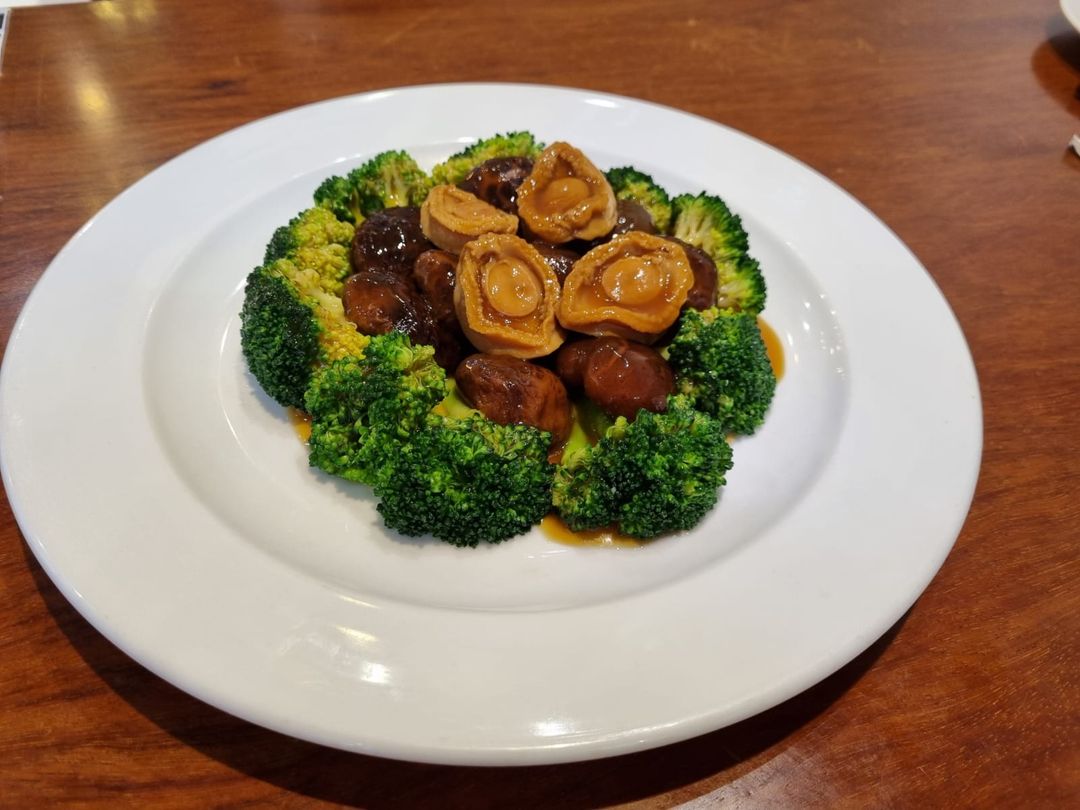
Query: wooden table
x=950 y=121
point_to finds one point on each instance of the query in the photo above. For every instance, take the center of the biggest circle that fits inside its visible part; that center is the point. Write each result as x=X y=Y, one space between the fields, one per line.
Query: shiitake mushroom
x=512 y=391
x=560 y=257
x=702 y=294
x=496 y=181
x=381 y=301
x=631 y=215
x=620 y=376
x=389 y=240
x=435 y=274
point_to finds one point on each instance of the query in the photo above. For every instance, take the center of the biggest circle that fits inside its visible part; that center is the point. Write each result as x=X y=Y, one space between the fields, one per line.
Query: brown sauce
x=773 y=347
x=555 y=529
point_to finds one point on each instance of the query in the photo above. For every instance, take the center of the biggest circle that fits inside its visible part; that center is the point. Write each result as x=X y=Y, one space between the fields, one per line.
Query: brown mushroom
x=571 y=360
x=435 y=272
x=559 y=257
x=506 y=296
x=390 y=239
x=632 y=216
x=622 y=377
x=450 y=217
x=566 y=197
x=379 y=301
x=496 y=181
x=703 y=294
x=632 y=286
x=511 y=391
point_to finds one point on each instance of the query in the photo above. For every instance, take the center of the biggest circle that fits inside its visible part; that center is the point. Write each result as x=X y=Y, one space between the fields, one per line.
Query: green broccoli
x=721 y=365
x=337 y=195
x=468 y=481
x=630 y=184
x=312 y=229
x=388 y=180
x=292 y=318
x=706 y=222
x=382 y=420
x=660 y=473
x=513 y=144
x=364 y=409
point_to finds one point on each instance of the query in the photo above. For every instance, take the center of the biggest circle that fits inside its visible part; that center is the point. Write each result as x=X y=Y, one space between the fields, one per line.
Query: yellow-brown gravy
x=773 y=347
x=301 y=423
x=555 y=529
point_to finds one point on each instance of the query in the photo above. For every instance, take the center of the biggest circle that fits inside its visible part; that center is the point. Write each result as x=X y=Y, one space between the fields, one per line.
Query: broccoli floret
x=512 y=144
x=468 y=481
x=292 y=318
x=721 y=364
x=706 y=222
x=278 y=336
x=630 y=184
x=660 y=473
x=388 y=180
x=363 y=410
x=312 y=229
x=337 y=195
x=378 y=420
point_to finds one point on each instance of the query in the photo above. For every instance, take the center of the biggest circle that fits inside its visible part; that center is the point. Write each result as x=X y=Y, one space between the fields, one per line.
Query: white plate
x=1071 y=10
x=172 y=504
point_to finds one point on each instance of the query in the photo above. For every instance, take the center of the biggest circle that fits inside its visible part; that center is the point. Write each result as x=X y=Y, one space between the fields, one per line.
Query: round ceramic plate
x=172 y=503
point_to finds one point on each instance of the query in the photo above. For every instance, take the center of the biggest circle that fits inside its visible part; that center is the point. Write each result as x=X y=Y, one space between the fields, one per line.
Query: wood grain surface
x=949 y=120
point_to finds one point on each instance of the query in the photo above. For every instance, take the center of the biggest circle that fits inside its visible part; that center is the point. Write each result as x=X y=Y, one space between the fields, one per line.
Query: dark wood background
x=949 y=120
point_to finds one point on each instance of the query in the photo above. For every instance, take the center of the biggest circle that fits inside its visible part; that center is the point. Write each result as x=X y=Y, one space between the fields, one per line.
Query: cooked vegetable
x=468 y=481
x=706 y=222
x=630 y=184
x=379 y=301
x=292 y=319
x=721 y=365
x=388 y=180
x=621 y=377
x=513 y=144
x=363 y=410
x=512 y=391
x=496 y=181
x=390 y=239
x=464 y=480
x=658 y=474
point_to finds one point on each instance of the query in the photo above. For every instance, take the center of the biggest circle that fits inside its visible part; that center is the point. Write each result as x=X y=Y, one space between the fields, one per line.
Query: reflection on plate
x=186 y=525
